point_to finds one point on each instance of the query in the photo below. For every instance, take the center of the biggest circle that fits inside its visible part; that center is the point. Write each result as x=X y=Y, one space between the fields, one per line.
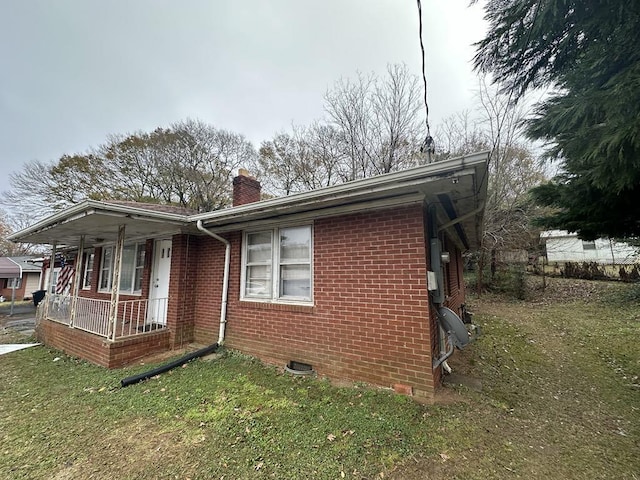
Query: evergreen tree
x=588 y=53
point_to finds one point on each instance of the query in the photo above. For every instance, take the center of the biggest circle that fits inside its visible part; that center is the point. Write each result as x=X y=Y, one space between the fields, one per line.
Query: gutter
x=225 y=281
x=378 y=183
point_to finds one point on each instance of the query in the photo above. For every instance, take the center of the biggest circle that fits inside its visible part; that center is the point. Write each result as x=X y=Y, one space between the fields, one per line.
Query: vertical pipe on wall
x=225 y=280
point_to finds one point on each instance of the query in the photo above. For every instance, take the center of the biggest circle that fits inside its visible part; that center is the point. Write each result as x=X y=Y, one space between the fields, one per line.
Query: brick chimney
x=246 y=189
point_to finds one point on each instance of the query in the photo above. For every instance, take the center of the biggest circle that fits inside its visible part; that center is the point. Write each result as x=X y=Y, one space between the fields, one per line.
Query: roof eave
x=91 y=207
x=350 y=190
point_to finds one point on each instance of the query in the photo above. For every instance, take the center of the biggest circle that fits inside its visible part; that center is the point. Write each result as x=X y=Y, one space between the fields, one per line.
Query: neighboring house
x=334 y=278
x=562 y=246
x=21 y=273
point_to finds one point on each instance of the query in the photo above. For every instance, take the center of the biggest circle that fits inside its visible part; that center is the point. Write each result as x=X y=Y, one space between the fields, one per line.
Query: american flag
x=64 y=278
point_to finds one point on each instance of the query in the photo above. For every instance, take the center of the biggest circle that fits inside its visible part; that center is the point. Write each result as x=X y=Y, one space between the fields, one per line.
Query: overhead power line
x=428 y=145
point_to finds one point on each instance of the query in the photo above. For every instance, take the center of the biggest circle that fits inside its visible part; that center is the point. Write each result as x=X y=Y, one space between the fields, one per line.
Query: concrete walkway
x=24 y=324
x=12 y=347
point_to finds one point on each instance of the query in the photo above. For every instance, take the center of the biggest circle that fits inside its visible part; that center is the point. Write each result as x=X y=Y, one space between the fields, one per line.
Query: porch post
x=50 y=287
x=115 y=285
x=76 y=281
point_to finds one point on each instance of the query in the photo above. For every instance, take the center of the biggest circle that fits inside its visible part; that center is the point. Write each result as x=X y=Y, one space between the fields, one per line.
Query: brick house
x=334 y=278
x=19 y=277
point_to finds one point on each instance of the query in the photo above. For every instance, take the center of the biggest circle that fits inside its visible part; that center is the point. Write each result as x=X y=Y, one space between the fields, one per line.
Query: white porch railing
x=92 y=315
x=58 y=308
x=134 y=317
x=141 y=316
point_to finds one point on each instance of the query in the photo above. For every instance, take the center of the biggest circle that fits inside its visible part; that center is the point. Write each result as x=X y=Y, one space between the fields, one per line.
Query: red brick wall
x=8 y=292
x=98 y=350
x=182 y=294
x=208 y=285
x=454 y=279
x=370 y=320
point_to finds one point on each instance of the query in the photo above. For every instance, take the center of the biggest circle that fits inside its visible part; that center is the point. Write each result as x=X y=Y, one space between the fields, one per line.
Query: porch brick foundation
x=98 y=350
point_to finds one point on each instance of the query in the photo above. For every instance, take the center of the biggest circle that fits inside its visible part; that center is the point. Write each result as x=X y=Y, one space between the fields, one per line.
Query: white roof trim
x=356 y=187
x=379 y=189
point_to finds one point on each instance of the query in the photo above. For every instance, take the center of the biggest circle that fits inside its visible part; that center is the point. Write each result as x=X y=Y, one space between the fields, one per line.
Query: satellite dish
x=453 y=325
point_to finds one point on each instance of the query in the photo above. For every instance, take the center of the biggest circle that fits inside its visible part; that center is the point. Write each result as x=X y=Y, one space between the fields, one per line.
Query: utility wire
x=428 y=145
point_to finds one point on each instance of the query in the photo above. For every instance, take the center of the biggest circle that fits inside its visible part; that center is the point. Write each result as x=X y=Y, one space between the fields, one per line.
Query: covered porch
x=92 y=315
x=108 y=296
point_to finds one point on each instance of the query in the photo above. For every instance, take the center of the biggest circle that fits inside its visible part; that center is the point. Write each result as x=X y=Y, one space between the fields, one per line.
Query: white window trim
x=52 y=286
x=275 y=268
x=17 y=281
x=88 y=254
x=138 y=245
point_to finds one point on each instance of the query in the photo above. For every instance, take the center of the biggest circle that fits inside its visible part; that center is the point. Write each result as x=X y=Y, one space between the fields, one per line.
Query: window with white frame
x=130 y=271
x=54 y=282
x=14 y=282
x=277 y=264
x=88 y=270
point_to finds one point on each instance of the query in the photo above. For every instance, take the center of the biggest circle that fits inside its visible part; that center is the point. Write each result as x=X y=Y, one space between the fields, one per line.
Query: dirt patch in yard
x=553 y=289
x=136 y=449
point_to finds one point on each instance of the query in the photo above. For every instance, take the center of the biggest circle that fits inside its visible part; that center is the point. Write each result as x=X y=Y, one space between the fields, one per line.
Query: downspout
x=225 y=280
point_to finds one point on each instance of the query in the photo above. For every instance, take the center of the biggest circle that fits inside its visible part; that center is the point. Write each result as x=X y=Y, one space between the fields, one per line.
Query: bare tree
x=321 y=165
x=304 y=159
x=460 y=134
x=278 y=163
x=202 y=161
x=513 y=170
x=377 y=120
x=8 y=225
x=31 y=190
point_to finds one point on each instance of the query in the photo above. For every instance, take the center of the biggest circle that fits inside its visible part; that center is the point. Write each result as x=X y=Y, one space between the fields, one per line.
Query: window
x=52 y=287
x=277 y=265
x=14 y=281
x=105 y=268
x=88 y=270
x=586 y=245
x=130 y=271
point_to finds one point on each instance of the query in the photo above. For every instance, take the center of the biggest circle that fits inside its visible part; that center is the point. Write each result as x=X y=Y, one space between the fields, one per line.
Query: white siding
x=32 y=283
x=570 y=248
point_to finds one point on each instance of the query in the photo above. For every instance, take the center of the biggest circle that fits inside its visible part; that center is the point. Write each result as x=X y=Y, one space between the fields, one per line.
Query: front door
x=159 y=291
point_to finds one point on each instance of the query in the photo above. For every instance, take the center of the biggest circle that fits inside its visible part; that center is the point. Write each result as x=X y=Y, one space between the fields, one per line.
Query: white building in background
x=562 y=246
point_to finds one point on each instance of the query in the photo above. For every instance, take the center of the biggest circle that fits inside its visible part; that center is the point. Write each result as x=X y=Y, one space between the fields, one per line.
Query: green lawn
x=560 y=399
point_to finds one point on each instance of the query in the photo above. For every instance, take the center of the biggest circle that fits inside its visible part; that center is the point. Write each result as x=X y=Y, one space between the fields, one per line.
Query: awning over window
x=9 y=268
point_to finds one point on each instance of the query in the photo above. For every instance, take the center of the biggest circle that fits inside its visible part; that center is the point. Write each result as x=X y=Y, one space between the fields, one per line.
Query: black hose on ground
x=125 y=382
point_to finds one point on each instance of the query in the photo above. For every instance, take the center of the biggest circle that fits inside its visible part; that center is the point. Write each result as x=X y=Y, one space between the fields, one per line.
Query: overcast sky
x=74 y=71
